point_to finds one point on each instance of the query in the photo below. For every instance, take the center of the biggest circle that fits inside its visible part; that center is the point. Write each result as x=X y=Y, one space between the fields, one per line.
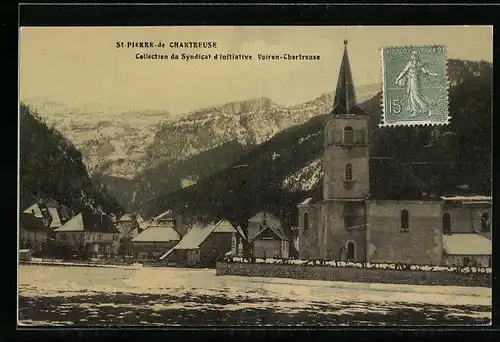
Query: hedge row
x=367 y=265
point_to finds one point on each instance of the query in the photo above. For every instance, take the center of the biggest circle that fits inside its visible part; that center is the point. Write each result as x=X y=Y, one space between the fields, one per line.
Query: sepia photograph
x=251 y=176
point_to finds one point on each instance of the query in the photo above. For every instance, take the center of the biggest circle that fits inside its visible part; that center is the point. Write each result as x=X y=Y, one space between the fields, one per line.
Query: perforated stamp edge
x=383 y=120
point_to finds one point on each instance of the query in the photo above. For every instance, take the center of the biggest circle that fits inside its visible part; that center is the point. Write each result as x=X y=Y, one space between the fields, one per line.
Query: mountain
x=280 y=172
x=51 y=166
x=113 y=141
x=139 y=155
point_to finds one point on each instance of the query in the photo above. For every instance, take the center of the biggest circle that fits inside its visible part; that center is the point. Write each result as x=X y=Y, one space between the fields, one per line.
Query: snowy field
x=93 y=296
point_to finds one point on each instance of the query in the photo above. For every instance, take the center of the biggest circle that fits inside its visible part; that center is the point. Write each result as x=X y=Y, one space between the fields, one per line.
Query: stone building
x=351 y=221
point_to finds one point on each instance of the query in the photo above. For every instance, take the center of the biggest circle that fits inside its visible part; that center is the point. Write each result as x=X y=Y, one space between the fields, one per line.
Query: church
x=350 y=223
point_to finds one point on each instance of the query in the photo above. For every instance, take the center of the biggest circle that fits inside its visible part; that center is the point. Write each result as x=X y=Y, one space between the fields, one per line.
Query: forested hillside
x=51 y=166
x=448 y=159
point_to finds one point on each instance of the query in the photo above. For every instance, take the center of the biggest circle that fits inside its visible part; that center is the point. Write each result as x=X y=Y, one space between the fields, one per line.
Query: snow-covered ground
x=148 y=296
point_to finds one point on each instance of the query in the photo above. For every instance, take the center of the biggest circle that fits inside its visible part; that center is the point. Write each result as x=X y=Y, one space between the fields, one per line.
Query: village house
x=356 y=219
x=154 y=241
x=38 y=222
x=203 y=244
x=270 y=242
x=90 y=233
x=259 y=221
x=268 y=238
x=129 y=227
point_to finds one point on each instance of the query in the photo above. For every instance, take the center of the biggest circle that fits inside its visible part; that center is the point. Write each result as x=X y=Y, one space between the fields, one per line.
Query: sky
x=81 y=66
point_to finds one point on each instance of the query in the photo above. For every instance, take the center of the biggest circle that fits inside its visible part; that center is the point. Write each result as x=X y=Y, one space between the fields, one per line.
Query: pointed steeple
x=345 y=96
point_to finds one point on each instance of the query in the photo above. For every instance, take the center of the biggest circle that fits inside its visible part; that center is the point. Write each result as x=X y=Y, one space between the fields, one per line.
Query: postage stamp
x=415 y=86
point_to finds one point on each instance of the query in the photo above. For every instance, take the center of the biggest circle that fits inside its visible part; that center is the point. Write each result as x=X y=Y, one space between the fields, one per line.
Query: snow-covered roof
x=88 y=222
x=139 y=219
x=274 y=229
x=165 y=215
x=238 y=228
x=73 y=225
x=157 y=234
x=199 y=233
x=126 y=217
x=35 y=208
x=261 y=215
x=145 y=224
x=125 y=227
x=466 y=244
x=468 y=198
x=306 y=201
x=56 y=220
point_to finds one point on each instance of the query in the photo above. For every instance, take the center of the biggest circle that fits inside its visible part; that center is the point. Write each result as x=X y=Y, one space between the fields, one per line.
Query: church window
x=351 y=251
x=446 y=223
x=485 y=222
x=348 y=136
x=306 y=221
x=348 y=172
x=405 y=220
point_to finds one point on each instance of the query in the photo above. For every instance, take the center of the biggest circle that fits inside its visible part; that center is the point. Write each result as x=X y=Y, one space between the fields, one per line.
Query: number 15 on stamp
x=415 y=86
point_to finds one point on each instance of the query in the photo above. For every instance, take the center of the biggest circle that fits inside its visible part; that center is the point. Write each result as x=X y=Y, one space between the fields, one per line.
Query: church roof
x=345 y=95
x=466 y=244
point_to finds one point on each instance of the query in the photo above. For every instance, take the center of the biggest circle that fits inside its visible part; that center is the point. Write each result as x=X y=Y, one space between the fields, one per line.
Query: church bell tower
x=346 y=150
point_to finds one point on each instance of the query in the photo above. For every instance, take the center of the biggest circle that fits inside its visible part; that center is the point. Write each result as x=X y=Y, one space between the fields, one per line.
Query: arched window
x=446 y=223
x=405 y=219
x=351 y=251
x=348 y=171
x=348 y=136
x=485 y=222
x=306 y=221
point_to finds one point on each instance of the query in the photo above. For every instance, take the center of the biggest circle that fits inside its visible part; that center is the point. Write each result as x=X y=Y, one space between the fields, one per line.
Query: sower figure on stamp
x=410 y=79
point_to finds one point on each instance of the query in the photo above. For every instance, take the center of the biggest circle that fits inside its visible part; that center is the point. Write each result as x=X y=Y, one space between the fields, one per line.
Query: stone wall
x=422 y=243
x=336 y=156
x=362 y=275
x=310 y=240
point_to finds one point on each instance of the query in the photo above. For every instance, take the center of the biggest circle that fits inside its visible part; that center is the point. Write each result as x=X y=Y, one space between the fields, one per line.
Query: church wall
x=310 y=240
x=338 y=216
x=337 y=156
x=466 y=218
x=387 y=242
x=334 y=127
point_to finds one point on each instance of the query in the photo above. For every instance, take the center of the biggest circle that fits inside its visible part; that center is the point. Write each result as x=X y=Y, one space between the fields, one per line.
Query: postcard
x=256 y=176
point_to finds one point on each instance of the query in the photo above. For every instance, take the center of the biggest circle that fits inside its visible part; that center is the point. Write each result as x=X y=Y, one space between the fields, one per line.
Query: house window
x=485 y=222
x=306 y=221
x=405 y=220
x=351 y=251
x=63 y=236
x=446 y=223
x=348 y=136
x=348 y=172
